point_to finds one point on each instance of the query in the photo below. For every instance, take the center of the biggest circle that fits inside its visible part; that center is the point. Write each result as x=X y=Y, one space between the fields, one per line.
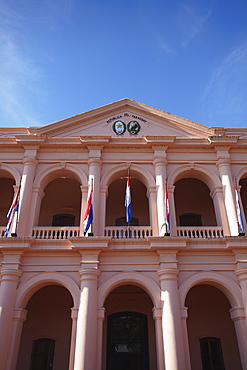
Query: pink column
x=30 y=164
x=172 y=210
x=9 y=281
x=153 y=210
x=238 y=317
x=86 y=333
x=157 y=315
x=74 y=315
x=229 y=196
x=220 y=209
x=37 y=195
x=160 y=176
x=19 y=316
x=103 y=196
x=171 y=320
x=94 y=173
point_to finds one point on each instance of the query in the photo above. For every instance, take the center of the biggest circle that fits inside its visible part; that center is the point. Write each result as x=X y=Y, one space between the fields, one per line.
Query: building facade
x=124 y=296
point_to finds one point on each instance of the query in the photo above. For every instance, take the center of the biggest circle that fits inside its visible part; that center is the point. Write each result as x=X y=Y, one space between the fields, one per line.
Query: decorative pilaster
x=74 y=315
x=30 y=164
x=19 y=316
x=238 y=317
x=10 y=275
x=157 y=316
x=101 y=318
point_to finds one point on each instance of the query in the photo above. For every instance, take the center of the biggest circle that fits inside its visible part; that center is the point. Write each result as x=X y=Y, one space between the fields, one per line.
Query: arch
x=195 y=171
x=12 y=171
x=240 y=173
x=113 y=173
x=32 y=285
x=52 y=172
x=228 y=286
x=129 y=278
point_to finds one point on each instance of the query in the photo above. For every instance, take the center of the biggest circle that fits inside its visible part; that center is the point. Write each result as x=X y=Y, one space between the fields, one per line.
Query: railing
x=200 y=232
x=121 y=232
x=59 y=232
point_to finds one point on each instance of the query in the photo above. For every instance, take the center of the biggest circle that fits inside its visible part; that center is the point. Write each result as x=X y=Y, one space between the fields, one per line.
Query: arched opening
x=61 y=205
x=115 y=203
x=243 y=193
x=211 y=332
x=193 y=203
x=129 y=333
x=7 y=194
x=47 y=330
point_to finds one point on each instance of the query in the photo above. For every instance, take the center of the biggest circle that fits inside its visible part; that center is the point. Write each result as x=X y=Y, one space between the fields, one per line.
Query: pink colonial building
x=136 y=296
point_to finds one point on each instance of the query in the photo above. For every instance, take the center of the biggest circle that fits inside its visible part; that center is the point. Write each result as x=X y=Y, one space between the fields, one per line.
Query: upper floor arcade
x=55 y=165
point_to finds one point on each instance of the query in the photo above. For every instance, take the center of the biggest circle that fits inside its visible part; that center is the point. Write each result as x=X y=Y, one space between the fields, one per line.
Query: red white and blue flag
x=128 y=201
x=238 y=208
x=167 y=210
x=88 y=216
x=12 y=212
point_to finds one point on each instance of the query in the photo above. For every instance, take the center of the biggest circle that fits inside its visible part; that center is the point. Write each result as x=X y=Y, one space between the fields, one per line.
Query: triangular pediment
x=125 y=118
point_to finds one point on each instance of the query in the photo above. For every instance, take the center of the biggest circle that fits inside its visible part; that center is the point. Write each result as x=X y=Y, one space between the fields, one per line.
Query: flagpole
x=14 y=234
x=128 y=203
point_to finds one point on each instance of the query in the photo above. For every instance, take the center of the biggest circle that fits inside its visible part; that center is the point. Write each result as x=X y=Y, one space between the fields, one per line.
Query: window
x=42 y=354
x=190 y=219
x=121 y=221
x=127 y=341
x=63 y=219
x=211 y=353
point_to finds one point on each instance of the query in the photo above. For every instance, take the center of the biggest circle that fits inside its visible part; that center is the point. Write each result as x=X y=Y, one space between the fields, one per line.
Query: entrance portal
x=127 y=341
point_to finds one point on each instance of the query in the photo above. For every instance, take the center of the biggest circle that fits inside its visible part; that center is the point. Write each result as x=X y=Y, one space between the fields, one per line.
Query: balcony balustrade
x=122 y=232
x=58 y=232
x=200 y=232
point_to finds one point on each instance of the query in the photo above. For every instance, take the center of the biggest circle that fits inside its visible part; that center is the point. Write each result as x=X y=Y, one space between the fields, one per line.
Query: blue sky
x=59 y=58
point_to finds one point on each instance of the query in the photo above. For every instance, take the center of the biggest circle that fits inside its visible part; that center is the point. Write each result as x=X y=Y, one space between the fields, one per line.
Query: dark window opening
x=63 y=219
x=190 y=219
x=42 y=354
x=127 y=341
x=211 y=353
x=121 y=221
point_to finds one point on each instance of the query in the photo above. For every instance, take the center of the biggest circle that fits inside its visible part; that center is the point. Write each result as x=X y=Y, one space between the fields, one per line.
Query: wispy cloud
x=225 y=96
x=19 y=77
x=191 y=23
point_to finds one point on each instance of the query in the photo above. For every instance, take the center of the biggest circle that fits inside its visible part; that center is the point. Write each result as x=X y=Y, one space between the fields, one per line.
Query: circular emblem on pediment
x=119 y=127
x=133 y=127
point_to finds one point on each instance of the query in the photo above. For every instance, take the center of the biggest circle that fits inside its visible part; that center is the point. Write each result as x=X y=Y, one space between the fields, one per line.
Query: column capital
x=160 y=161
x=94 y=161
x=168 y=273
x=30 y=161
x=223 y=162
x=241 y=273
x=10 y=275
x=89 y=274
